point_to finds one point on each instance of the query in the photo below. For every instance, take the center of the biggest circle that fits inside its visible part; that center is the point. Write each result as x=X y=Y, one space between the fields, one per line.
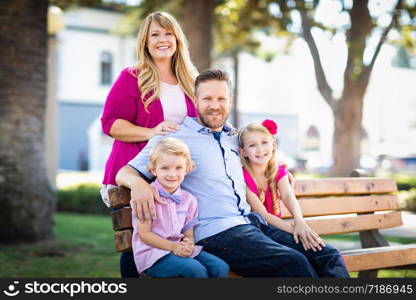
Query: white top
x=173 y=102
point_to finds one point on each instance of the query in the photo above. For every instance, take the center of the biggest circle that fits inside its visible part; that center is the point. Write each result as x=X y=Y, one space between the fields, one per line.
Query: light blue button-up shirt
x=217 y=182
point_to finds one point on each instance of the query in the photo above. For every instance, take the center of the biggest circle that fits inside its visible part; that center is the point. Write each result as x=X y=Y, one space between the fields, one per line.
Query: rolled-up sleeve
x=141 y=160
x=121 y=102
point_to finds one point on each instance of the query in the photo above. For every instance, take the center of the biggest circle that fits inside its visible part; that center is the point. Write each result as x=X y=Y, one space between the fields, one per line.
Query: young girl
x=165 y=246
x=267 y=182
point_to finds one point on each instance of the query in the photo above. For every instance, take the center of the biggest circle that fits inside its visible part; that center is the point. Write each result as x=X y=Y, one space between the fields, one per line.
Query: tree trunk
x=196 y=21
x=347 y=134
x=26 y=198
x=236 y=65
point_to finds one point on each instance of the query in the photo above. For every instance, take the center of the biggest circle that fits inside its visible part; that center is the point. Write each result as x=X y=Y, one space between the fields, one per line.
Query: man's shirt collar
x=193 y=124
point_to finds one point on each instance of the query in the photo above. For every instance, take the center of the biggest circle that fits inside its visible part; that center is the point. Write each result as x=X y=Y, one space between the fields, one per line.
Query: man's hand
x=289 y=175
x=143 y=197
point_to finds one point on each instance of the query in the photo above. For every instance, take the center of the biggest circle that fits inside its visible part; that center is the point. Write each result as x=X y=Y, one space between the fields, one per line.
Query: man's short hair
x=212 y=74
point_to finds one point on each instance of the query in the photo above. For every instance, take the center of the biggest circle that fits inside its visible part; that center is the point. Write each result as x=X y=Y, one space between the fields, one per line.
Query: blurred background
x=276 y=79
x=338 y=77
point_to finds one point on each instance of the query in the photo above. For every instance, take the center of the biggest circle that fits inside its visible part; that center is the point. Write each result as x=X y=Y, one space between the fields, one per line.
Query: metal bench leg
x=368 y=274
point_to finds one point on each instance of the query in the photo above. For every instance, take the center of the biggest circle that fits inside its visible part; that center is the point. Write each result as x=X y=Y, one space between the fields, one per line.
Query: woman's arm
x=271 y=219
x=125 y=131
x=309 y=238
x=120 y=111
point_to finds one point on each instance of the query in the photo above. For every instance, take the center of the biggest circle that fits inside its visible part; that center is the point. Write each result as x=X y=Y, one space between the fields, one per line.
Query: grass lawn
x=84 y=247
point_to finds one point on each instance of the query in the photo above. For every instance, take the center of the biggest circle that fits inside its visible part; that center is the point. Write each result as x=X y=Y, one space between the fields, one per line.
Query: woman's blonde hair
x=171 y=146
x=149 y=78
x=271 y=169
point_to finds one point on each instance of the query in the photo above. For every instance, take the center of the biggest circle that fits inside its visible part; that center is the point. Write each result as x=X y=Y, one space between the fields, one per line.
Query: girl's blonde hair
x=149 y=78
x=171 y=146
x=271 y=169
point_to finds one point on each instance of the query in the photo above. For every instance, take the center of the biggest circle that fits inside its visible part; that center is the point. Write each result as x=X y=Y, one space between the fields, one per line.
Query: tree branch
x=367 y=70
x=322 y=82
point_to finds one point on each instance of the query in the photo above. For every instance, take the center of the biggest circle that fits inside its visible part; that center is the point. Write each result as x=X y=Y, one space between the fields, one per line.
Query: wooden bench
x=330 y=206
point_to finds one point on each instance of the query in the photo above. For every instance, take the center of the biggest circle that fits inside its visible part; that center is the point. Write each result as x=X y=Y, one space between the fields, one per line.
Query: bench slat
x=380 y=257
x=121 y=218
x=344 y=186
x=321 y=226
x=119 y=196
x=344 y=205
x=327 y=226
x=122 y=240
x=310 y=207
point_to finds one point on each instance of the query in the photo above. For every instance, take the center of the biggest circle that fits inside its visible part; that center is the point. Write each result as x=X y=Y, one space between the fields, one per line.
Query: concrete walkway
x=408 y=229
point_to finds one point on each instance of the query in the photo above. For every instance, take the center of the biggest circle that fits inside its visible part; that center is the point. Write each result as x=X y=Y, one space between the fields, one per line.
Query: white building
x=90 y=58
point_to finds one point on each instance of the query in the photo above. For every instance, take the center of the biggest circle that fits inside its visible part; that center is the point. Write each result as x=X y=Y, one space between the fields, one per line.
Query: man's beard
x=222 y=118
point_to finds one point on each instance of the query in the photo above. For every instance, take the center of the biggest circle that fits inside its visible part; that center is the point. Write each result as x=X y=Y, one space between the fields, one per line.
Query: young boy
x=165 y=246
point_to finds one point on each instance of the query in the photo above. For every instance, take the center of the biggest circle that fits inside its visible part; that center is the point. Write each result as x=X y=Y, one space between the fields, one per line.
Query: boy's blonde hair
x=171 y=146
x=271 y=169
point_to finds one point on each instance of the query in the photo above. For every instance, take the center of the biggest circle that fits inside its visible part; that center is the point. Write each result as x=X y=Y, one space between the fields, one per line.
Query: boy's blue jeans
x=260 y=250
x=201 y=266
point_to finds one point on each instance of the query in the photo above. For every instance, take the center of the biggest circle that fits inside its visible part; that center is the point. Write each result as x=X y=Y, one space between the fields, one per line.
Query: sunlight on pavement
x=66 y=178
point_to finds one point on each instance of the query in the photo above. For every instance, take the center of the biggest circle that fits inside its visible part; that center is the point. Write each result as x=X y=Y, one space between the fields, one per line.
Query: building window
x=312 y=139
x=106 y=68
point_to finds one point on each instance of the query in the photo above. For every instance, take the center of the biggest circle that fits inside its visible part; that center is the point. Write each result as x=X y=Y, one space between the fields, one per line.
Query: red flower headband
x=271 y=126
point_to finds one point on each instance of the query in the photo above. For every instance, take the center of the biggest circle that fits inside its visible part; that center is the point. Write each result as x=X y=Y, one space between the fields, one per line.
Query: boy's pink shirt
x=268 y=201
x=171 y=221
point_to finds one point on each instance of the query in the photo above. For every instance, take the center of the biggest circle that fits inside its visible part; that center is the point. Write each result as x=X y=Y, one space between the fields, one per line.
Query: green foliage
x=84 y=198
x=405 y=182
x=83 y=248
x=408 y=199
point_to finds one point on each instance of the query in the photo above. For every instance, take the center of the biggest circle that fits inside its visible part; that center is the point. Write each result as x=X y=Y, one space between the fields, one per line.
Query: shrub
x=405 y=183
x=408 y=200
x=83 y=198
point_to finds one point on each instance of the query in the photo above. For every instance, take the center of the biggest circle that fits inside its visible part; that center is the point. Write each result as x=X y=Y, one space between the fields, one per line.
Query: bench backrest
x=343 y=205
x=330 y=206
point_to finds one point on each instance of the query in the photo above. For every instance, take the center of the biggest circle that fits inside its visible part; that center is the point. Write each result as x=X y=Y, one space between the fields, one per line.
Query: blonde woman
x=149 y=99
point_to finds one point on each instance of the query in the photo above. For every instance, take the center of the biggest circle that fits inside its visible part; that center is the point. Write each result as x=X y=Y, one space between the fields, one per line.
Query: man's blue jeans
x=260 y=250
x=201 y=266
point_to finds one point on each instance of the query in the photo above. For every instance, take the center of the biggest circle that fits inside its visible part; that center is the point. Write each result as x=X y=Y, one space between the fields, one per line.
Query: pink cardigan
x=124 y=102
